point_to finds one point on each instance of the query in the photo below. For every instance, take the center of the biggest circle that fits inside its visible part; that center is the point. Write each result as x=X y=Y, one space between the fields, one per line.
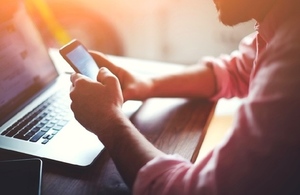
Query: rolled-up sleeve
x=232 y=72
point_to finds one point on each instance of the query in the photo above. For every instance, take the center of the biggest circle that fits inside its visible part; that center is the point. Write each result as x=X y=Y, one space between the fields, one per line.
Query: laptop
x=35 y=114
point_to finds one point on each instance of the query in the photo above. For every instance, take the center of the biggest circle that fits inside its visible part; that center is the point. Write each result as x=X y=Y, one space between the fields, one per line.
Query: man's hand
x=96 y=104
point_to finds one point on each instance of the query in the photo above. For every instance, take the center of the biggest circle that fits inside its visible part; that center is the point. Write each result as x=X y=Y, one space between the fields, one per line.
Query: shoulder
x=280 y=63
x=285 y=45
x=287 y=35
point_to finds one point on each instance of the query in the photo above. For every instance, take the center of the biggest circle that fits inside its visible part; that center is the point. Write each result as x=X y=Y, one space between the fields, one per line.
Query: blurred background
x=176 y=31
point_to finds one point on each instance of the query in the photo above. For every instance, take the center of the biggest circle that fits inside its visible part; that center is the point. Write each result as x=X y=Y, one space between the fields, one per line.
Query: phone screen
x=83 y=61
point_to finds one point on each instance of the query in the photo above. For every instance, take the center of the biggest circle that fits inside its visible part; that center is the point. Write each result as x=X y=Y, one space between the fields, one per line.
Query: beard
x=233 y=12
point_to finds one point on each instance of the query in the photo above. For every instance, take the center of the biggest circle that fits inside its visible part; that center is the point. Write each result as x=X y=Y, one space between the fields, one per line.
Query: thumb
x=106 y=77
x=102 y=61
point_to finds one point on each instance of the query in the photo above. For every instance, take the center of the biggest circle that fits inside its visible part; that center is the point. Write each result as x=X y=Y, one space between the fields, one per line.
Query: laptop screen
x=25 y=65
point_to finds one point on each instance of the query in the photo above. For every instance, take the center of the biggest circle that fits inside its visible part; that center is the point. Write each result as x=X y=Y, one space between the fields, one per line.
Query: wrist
x=109 y=132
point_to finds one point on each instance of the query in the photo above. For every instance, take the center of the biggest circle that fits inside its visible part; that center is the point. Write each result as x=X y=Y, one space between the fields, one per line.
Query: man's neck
x=263 y=8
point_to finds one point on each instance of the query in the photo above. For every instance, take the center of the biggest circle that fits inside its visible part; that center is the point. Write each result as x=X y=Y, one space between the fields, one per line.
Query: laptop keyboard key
x=37 y=136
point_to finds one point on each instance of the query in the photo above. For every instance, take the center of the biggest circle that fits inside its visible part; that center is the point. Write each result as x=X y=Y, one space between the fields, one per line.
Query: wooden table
x=220 y=125
x=174 y=125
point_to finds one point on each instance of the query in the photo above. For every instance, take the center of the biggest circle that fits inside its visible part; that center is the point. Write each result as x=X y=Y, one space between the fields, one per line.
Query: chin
x=232 y=19
x=233 y=12
x=228 y=22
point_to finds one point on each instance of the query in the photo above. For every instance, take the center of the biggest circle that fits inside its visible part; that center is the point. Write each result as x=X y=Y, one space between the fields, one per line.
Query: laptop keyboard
x=44 y=122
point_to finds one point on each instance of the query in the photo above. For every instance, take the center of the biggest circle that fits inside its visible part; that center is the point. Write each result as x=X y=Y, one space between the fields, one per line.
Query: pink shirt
x=261 y=155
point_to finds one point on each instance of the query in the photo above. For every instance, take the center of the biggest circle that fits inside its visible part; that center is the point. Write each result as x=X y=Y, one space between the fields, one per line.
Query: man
x=261 y=155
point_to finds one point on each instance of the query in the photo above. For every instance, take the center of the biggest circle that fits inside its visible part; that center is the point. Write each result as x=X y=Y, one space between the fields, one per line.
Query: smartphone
x=21 y=176
x=79 y=59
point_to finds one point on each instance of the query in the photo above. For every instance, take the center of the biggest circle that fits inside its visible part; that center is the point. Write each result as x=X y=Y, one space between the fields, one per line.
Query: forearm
x=194 y=81
x=129 y=149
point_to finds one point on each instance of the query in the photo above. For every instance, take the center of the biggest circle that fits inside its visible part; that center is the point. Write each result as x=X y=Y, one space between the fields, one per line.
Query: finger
x=79 y=83
x=74 y=77
x=106 y=77
x=102 y=61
